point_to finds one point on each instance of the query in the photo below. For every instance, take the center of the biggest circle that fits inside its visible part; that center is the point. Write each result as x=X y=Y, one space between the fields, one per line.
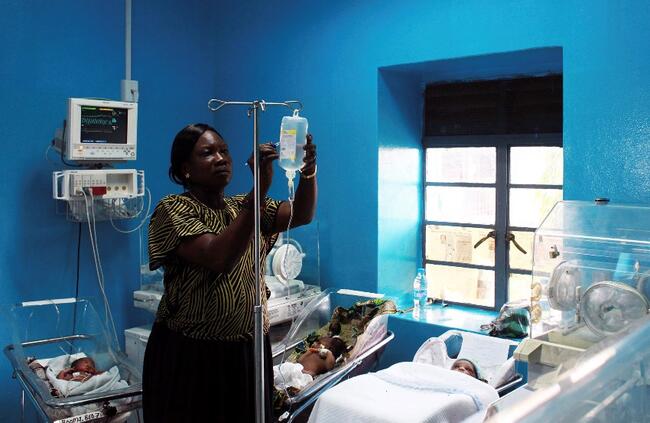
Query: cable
x=76 y=292
x=47 y=155
x=107 y=308
x=63 y=145
x=144 y=219
x=98 y=265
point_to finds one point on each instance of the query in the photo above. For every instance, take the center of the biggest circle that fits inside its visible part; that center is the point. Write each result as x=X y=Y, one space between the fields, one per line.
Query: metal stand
x=253 y=107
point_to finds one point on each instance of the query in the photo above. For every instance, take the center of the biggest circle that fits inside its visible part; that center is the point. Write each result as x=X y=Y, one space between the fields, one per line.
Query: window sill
x=451 y=317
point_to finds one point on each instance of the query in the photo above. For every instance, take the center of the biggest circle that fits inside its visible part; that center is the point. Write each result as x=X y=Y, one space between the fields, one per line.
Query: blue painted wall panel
x=50 y=51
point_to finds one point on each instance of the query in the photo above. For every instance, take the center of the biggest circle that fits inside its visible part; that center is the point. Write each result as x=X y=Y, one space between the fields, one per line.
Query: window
x=485 y=193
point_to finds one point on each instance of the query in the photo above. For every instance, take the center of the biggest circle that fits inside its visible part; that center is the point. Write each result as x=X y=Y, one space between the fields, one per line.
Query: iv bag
x=293 y=137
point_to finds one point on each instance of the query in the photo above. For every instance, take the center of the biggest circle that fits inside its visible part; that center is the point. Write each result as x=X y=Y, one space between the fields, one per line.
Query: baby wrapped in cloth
x=75 y=374
x=320 y=358
x=433 y=388
x=358 y=327
x=83 y=383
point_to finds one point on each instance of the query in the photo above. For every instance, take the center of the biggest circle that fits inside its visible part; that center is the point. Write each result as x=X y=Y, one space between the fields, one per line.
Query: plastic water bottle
x=420 y=289
x=293 y=137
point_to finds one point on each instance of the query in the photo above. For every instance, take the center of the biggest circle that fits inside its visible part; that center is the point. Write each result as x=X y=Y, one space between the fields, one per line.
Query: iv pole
x=253 y=107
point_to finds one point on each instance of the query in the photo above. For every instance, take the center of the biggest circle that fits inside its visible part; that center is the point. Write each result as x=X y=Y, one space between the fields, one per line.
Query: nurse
x=199 y=358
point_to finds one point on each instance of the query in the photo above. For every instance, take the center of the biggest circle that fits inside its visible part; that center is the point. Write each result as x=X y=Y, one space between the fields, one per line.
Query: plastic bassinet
x=313 y=319
x=51 y=328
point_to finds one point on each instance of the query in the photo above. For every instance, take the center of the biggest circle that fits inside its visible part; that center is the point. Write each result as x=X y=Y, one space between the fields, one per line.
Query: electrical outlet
x=129 y=90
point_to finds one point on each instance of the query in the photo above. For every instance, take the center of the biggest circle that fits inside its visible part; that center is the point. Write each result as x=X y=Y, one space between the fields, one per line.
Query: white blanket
x=106 y=381
x=405 y=392
x=490 y=354
x=290 y=374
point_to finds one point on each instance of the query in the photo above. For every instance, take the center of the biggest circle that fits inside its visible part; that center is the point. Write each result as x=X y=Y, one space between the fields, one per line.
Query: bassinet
x=51 y=328
x=314 y=318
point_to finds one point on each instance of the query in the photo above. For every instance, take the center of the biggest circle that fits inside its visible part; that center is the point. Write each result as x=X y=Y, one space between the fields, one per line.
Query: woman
x=199 y=358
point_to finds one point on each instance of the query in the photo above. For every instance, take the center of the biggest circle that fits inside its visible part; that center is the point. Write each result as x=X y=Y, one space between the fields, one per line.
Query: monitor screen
x=103 y=125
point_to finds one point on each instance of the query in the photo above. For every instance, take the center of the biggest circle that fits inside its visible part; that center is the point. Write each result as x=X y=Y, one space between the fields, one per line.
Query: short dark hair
x=182 y=149
x=79 y=360
x=336 y=345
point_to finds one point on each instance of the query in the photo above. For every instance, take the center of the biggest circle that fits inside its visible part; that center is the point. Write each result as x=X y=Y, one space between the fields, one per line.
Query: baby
x=322 y=355
x=465 y=366
x=80 y=370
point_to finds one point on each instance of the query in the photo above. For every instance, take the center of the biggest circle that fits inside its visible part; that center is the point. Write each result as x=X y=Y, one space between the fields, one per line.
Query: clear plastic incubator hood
x=591 y=267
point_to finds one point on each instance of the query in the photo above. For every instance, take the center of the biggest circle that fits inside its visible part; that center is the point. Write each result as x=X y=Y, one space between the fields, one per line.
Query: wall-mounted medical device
x=101 y=130
x=105 y=183
x=100 y=194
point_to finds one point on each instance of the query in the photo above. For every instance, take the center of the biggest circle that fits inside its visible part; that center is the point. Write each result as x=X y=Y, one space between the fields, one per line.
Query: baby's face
x=85 y=366
x=464 y=366
x=325 y=342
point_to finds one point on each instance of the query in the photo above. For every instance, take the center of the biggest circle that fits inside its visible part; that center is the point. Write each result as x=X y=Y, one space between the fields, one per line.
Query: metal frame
x=502 y=187
x=253 y=107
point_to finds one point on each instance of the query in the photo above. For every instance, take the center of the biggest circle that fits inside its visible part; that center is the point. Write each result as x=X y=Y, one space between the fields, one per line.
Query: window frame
x=502 y=186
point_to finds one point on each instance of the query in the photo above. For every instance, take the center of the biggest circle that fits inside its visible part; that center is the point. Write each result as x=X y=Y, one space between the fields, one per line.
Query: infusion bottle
x=293 y=137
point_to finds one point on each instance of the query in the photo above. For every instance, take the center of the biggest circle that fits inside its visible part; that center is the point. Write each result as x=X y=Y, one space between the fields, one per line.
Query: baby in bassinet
x=319 y=358
x=80 y=370
x=322 y=355
x=464 y=365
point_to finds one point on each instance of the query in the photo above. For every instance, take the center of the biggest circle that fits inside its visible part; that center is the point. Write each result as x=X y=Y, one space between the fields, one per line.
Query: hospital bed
x=360 y=359
x=425 y=390
x=53 y=329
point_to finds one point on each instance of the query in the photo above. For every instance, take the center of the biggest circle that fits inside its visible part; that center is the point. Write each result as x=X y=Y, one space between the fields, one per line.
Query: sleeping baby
x=80 y=370
x=319 y=358
x=464 y=365
x=322 y=355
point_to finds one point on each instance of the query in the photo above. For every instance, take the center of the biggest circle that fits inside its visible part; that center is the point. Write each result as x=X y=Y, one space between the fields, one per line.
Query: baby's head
x=334 y=344
x=465 y=366
x=85 y=364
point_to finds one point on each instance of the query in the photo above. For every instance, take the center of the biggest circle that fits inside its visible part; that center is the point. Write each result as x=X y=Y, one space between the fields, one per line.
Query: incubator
x=590 y=267
x=292 y=272
x=607 y=383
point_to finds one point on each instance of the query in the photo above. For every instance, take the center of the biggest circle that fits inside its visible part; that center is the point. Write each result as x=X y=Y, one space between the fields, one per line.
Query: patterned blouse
x=198 y=302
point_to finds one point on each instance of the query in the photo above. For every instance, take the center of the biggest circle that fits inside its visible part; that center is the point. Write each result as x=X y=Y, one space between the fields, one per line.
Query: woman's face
x=209 y=164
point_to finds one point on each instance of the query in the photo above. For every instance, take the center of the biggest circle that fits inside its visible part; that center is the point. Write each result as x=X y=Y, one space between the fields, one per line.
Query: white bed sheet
x=405 y=392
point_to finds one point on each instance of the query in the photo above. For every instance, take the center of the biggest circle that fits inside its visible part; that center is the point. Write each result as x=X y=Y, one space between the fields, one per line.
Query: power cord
x=142 y=222
x=63 y=145
x=76 y=292
x=92 y=230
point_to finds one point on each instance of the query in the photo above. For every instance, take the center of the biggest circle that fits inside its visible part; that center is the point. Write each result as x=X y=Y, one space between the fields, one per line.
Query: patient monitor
x=101 y=130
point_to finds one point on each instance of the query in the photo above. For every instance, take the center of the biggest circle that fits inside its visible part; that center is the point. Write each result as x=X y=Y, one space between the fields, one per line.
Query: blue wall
x=50 y=51
x=338 y=57
x=342 y=59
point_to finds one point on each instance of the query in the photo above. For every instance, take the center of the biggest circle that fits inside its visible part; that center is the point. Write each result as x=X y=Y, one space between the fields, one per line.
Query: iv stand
x=253 y=107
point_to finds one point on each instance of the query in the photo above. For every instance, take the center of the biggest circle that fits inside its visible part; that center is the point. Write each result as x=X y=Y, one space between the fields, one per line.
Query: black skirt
x=191 y=380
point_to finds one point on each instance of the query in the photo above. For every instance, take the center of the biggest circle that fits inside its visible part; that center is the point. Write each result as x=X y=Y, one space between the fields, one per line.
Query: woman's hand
x=309 y=168
x=267 y=154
